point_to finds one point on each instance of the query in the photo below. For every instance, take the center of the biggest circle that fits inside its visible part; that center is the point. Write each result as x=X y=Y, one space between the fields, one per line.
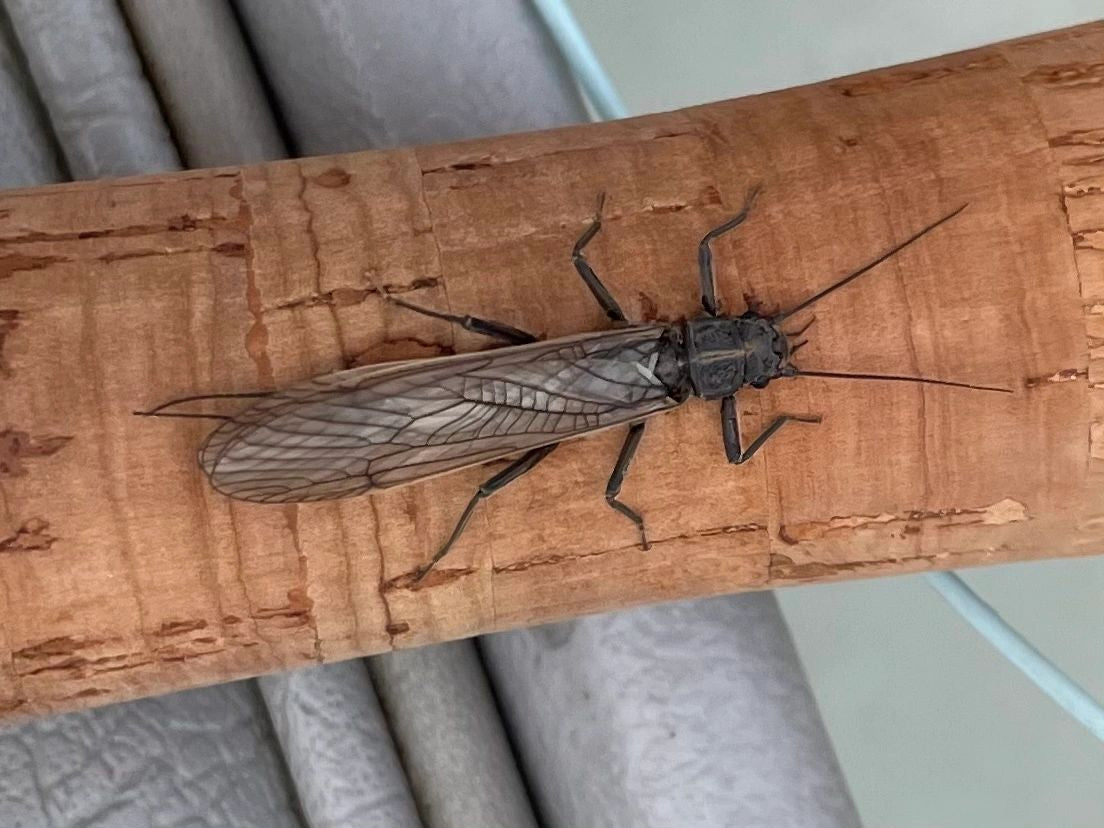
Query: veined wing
x=380 y=426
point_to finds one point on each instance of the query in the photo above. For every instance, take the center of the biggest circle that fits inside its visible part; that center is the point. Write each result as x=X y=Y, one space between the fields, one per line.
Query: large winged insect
x=377 y=427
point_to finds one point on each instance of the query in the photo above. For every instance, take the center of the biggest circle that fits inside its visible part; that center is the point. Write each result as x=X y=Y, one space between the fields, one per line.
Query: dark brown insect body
x=723 y=354
x=381 y=426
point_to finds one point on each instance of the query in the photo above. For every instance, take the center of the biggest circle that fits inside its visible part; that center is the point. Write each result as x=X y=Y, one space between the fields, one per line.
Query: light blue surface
x=1070 y=696
x=934 y=728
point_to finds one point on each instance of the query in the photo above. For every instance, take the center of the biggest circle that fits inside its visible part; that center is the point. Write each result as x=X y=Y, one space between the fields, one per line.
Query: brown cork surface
x=123 y=574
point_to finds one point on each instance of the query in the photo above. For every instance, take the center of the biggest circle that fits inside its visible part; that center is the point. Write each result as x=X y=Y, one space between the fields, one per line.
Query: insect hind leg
x=508 y=475
x=475 y=324
x=617 y=477
x=586 y=272
x=730 y=431
x=705 y=253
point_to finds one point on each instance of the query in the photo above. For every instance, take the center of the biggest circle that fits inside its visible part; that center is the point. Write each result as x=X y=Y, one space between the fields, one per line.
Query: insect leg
x=730 y=430
x=508 y=475
x=605 y=299
x=487 y=327
x=617 y=477
x=705 y=253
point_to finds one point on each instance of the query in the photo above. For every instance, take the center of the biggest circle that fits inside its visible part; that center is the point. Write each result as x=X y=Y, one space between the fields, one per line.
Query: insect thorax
x=726 y=353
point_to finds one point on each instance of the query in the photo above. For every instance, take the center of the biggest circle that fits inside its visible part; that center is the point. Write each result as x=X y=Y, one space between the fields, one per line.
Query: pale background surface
x=931 y=726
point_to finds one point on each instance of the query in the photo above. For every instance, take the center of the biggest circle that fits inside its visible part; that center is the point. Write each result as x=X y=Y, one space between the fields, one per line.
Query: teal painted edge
x=585 y=65
x=1065 y=692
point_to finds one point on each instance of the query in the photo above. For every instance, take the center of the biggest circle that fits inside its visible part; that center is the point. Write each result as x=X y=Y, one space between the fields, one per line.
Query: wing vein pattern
x=387 y=425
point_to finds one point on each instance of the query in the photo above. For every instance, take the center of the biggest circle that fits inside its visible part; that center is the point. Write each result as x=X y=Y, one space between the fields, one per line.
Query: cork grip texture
x=125 y=575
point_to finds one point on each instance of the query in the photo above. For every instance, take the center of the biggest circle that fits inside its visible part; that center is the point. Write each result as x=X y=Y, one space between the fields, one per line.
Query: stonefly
x=381 y=426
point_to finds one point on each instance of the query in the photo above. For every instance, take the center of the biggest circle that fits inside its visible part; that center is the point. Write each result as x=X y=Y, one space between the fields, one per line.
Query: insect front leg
x=487 y=327
x=617 y=477
x=599 y=291
x=705 y=253
x=505 y=477
x=730 y=430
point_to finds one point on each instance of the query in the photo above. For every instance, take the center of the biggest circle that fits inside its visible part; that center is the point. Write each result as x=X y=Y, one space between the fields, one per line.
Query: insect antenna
x=850 y=277
x=159 y=410
x=798 y=372
x=802 y=329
